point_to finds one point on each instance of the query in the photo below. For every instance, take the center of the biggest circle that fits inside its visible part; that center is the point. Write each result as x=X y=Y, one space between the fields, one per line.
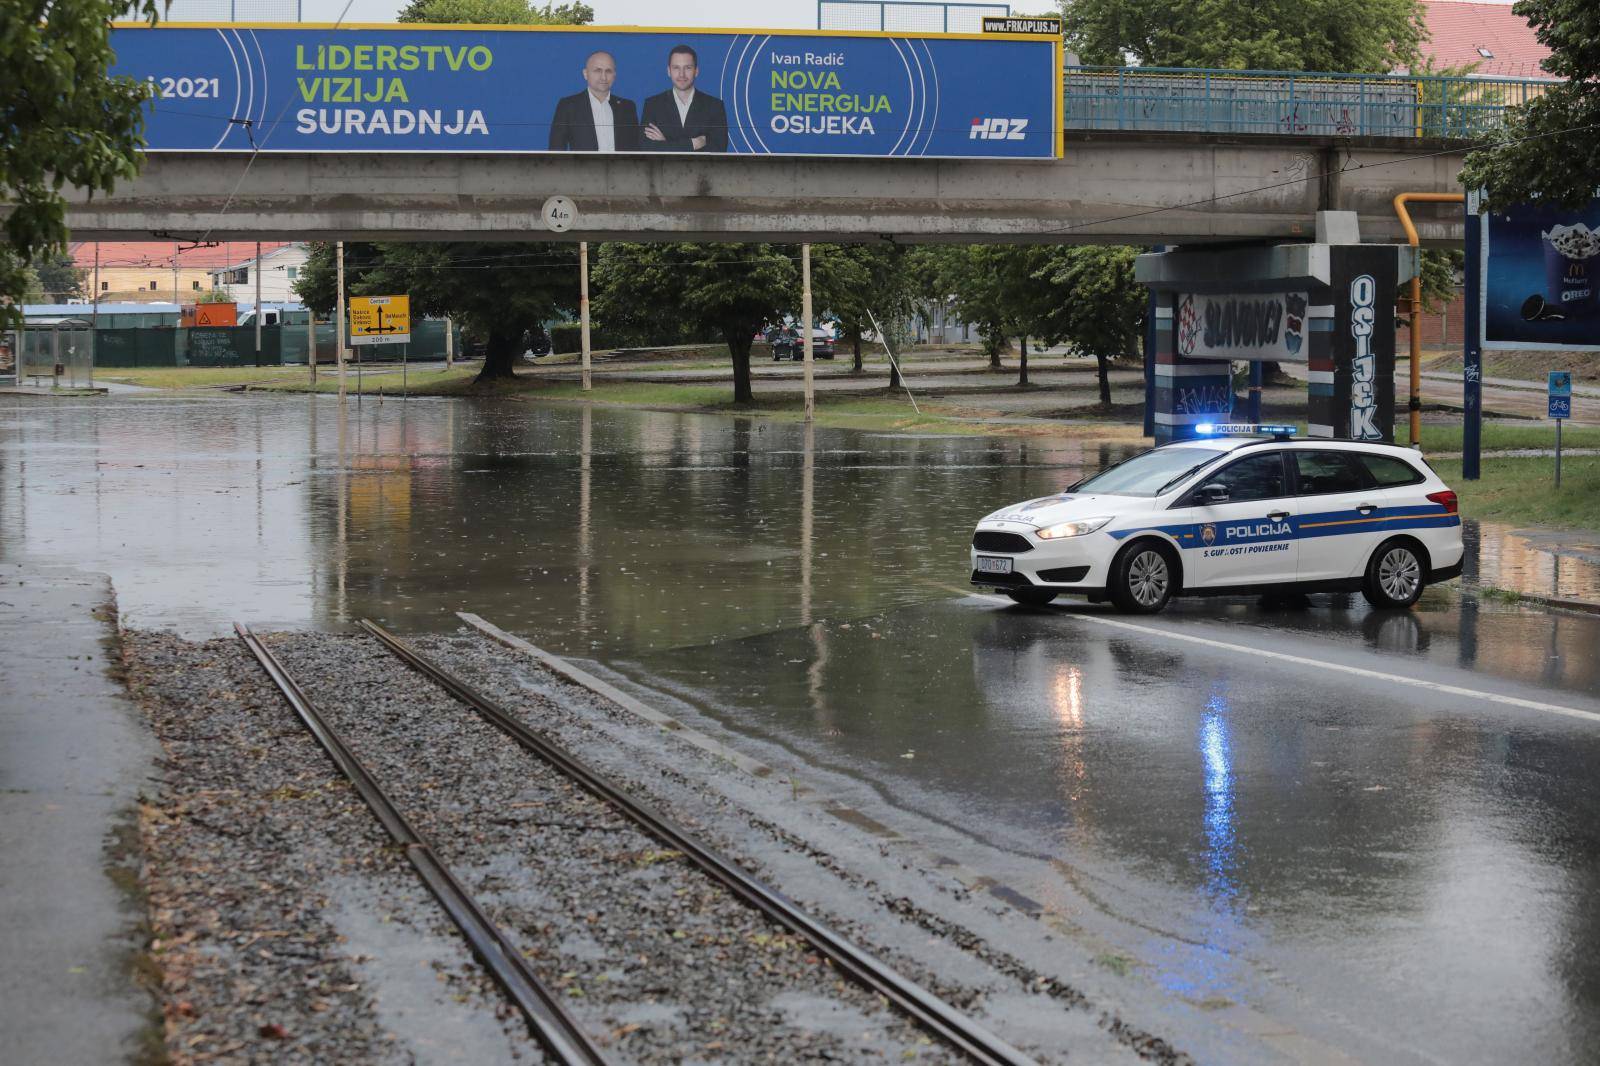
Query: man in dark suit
x=684 y=119
x=595 y=120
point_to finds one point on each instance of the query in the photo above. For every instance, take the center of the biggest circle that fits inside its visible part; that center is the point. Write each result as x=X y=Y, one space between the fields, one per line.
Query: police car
x=1239 y=509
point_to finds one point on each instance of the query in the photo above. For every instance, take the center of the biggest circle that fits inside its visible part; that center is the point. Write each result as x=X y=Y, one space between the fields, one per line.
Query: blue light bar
x=1243 y=429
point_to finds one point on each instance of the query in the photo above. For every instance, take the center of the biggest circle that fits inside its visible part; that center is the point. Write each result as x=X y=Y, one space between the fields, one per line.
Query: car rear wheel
x=1395 y=575
x=1143 y=579
x=1031 y=597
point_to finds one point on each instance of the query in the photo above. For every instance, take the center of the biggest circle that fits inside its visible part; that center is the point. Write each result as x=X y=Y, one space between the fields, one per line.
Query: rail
x=1290 y=103
x=547 y=1019
x=962 y=1032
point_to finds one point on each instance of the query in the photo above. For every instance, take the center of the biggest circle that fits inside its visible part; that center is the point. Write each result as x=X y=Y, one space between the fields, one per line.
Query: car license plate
x=988 y=564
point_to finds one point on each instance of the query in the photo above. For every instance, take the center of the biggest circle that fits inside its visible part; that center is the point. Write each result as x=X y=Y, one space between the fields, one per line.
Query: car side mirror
x=1216 y=492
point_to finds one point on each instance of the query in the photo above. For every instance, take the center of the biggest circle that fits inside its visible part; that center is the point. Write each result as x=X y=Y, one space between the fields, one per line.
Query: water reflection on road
x=1394 y=872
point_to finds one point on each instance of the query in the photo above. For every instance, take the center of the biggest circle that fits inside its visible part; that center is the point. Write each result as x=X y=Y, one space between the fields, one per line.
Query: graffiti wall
x=1339 y=326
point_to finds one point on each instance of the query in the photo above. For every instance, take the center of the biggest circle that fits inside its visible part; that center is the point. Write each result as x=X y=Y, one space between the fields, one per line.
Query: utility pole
x=583 y=307
x=311 y=344
x=449 y=343
x=257 y=269
x=339 y=310
x=174 y=272
x=805 y=325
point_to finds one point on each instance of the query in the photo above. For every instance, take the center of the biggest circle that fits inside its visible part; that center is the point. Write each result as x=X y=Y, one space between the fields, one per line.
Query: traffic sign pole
x=1472 y=348
x=1558 y=452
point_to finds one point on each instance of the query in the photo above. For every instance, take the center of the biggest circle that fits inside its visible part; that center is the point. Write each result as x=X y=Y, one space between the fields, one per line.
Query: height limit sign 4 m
x=1560 y=398
x=559 y=214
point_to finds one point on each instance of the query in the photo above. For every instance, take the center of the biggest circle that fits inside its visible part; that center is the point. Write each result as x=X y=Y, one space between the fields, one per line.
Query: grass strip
x=1523 y=492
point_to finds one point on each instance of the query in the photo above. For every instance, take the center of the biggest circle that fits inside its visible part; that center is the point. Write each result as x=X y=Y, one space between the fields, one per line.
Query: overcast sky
x=769 y=14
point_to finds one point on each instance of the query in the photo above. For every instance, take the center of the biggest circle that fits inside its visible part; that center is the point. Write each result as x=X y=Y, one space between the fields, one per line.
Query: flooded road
x=1313 y=829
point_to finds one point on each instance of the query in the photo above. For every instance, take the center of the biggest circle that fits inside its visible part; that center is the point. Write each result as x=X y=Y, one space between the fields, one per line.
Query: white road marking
x=1376 y=675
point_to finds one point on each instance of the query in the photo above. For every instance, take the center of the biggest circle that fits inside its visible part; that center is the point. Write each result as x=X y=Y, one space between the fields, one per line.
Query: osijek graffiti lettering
x=1363 y=384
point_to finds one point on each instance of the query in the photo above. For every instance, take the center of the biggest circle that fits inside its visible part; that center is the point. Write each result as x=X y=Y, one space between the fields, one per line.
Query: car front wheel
x=1394 y=576
x=1142 y=579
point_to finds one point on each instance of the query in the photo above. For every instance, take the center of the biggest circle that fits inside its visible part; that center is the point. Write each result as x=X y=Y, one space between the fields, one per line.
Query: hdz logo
x=998 y=129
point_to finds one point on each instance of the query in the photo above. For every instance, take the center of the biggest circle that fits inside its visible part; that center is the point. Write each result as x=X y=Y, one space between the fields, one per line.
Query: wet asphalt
x=1370 y=836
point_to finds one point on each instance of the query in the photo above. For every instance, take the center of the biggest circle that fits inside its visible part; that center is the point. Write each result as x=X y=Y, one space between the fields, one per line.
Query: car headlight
x=1071 y=529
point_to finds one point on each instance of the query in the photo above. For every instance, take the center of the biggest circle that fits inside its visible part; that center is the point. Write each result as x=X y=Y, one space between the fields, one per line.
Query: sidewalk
x=73 y=756
x=1578 y=389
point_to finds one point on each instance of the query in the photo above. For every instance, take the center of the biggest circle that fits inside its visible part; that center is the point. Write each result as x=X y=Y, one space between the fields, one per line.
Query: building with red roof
x=161 y=271
x=1487 y=37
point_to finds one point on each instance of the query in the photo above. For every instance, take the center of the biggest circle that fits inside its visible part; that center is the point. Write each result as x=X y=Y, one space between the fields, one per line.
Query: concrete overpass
x=1138 y=187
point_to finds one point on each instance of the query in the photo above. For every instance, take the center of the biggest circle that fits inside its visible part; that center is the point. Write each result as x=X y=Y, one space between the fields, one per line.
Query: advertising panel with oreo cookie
x=1541 y=267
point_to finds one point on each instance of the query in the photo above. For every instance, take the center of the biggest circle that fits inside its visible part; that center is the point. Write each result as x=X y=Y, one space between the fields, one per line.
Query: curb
x=1558 y=602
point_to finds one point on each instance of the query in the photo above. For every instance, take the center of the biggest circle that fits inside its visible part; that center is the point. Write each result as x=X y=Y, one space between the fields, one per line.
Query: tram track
x=562 y=1036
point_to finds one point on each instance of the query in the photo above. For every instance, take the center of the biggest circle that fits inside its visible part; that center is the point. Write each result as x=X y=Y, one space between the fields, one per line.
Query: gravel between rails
x=653 y=956
x=245 y=832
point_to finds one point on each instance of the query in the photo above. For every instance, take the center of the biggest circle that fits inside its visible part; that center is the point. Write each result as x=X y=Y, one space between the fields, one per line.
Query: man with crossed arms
x=684 y=119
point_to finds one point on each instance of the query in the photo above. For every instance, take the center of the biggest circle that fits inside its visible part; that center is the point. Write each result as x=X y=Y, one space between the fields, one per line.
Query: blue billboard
x=1541 y=277
x=396 y=88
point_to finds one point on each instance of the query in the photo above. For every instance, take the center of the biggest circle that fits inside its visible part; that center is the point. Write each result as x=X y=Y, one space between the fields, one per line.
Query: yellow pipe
x=1416 y=297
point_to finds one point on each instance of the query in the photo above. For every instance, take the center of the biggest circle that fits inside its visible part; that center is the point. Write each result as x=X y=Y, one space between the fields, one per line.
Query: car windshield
x=1150 y=473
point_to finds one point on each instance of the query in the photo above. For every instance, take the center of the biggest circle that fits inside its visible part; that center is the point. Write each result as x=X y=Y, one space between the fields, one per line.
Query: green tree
x=856 y=283
x=734 y=289
x=1101 y=307
x=976 y=294
x=1549 y=148
x=497 y=13
x=60 y=277
x=998 y=288
x=1336 y=35
x=1440 y=269
x=63 y=121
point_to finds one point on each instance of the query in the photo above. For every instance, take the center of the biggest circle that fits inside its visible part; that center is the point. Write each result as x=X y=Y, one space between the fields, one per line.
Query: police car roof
x=1230 y=443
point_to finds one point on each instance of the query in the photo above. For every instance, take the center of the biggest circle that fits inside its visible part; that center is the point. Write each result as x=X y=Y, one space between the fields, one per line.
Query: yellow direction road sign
x=380 y=319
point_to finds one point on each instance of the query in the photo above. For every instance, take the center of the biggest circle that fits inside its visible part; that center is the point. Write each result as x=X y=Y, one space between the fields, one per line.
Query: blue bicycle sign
x=1560 y=393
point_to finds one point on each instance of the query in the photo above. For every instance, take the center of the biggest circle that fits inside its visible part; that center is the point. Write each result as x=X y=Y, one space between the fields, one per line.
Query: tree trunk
x=738 y=339
x=994 y=354
x=1103 y=368
x=856 y=343
x=1022 y=378
x=500 y=357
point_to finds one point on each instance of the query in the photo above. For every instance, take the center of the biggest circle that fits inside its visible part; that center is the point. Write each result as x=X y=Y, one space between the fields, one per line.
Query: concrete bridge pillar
x=1328 y=307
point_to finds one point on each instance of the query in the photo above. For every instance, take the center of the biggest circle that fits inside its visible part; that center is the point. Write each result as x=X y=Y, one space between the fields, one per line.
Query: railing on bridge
x=1289 y=102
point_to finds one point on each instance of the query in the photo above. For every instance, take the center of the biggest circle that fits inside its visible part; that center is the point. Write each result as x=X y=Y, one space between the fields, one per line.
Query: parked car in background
x=786 y=342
